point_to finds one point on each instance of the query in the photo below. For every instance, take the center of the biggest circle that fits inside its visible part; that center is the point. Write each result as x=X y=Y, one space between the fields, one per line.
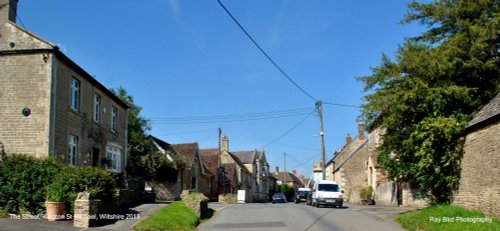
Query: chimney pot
x=294 y=172
x=348 y=139
x=224 y=146
x=277 y=169
x=361 y=131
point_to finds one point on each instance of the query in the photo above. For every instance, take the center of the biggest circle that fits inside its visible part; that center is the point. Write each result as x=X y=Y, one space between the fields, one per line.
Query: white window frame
x=74 y=97
x=114 y=119
x=114 y=156
x=72 y=149
x=97 y=108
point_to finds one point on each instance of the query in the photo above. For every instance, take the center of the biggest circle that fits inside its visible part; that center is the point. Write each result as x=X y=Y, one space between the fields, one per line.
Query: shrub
x=23 y=179
x=27 y=182
x=99 y=183
x=366 y=193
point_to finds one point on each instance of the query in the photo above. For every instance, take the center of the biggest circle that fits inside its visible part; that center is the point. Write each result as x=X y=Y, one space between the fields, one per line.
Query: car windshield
x=303 y=193
x=328 y=187
x=278 y=195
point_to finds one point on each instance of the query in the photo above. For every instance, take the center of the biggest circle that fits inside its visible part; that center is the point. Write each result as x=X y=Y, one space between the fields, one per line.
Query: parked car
x=327 y=193
x=278 y=198
x=301 y=195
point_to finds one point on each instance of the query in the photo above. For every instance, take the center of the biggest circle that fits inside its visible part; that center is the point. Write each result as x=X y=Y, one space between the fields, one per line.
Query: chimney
x=277 y=169
x=224 y=146
x=8 y=11
x=302 y=179
x=348 y=139
x=361 y=131
x=294 y=172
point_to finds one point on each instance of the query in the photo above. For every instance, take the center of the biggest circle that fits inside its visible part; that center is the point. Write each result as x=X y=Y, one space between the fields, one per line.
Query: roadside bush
x=366 y=193
x=99 y=183
x=23 y=180
x=288 y=191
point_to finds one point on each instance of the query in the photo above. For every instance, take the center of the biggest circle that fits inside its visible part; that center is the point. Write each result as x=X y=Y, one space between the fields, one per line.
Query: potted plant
x=55 y=201
x=366 y=195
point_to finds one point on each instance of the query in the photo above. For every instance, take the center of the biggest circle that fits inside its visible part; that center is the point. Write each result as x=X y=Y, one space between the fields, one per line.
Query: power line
x=342 y=105
x=232 y=118
x=265 y=54
x=290 y=130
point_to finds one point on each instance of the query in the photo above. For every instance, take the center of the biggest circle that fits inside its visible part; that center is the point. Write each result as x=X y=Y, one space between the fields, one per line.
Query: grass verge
x=176 y=216
x=447 y=218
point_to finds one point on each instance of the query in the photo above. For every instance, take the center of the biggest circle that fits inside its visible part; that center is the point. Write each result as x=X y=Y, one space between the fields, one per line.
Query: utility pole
x=319 y=105
x=285 y=170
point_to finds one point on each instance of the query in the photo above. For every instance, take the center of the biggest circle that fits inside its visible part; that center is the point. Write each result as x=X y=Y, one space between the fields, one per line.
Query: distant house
x=288 y=178
x=194 y=175
x=255 y=161
x=479 y=183
x=348 y=167
x=51 y=106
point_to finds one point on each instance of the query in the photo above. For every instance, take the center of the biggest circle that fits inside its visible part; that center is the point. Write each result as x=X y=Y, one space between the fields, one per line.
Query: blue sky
x=187 y=58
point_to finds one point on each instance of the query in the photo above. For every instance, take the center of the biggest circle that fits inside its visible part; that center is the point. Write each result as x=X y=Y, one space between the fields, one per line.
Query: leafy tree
x=425 y=97
x=143 y=161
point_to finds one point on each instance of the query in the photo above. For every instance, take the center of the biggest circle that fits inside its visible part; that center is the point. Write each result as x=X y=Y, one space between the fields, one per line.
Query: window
x=72 y=150
x=97 y=108
x=74 y=97
x=113 y=158
x=114 y=119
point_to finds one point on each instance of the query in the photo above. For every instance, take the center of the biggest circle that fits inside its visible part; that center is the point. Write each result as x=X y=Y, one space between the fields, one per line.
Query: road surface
x=289 y=216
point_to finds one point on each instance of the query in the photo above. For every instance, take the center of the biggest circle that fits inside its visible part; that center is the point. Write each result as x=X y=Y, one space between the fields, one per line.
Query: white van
x=327 y=193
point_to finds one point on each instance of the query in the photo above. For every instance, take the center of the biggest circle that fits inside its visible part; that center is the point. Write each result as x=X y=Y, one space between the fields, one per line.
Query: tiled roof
x=488 y=111
x=210 y=159
x=229 y=169
x=246 y=157
x=186 y=150
x=289 y=177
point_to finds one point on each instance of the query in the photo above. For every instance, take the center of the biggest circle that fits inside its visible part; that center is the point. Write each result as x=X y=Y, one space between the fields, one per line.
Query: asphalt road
x=301 y=217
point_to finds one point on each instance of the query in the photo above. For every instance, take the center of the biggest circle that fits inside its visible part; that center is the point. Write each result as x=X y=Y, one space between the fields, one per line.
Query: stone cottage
x=51 y=106
x=348 y=167
x=479 y=187
x=255 y=161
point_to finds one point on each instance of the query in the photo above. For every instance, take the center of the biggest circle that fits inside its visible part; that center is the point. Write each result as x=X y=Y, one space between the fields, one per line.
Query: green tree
x=143 y=161
x=425 y=97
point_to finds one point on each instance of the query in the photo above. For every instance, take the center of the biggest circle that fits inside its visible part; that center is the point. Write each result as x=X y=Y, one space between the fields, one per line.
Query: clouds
x=175 y=8
x=197 y=38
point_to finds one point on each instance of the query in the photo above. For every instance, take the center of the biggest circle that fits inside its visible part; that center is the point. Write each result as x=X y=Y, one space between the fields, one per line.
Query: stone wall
x=479 y=187
x=385 y=194
x=229 y=198
x=25 y=83
x=166 y=191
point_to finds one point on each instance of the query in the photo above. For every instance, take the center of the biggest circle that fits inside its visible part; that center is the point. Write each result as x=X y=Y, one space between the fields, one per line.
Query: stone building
x=288 y=178
x=479 y=187
x=236 y=174
x=255 y=161
x=194 y=175
x=51 y=106
x=348 y=167
x=386 y=191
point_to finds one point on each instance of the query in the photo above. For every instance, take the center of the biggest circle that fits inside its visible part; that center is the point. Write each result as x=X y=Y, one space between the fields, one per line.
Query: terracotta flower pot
x=55 y=210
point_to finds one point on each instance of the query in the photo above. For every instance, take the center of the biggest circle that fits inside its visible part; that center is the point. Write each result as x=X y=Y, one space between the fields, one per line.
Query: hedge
x=25 y=181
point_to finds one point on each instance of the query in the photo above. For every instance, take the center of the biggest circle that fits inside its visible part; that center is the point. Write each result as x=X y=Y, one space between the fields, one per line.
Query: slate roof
x=246 y=157
x=487 y=112
x=164 y=145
